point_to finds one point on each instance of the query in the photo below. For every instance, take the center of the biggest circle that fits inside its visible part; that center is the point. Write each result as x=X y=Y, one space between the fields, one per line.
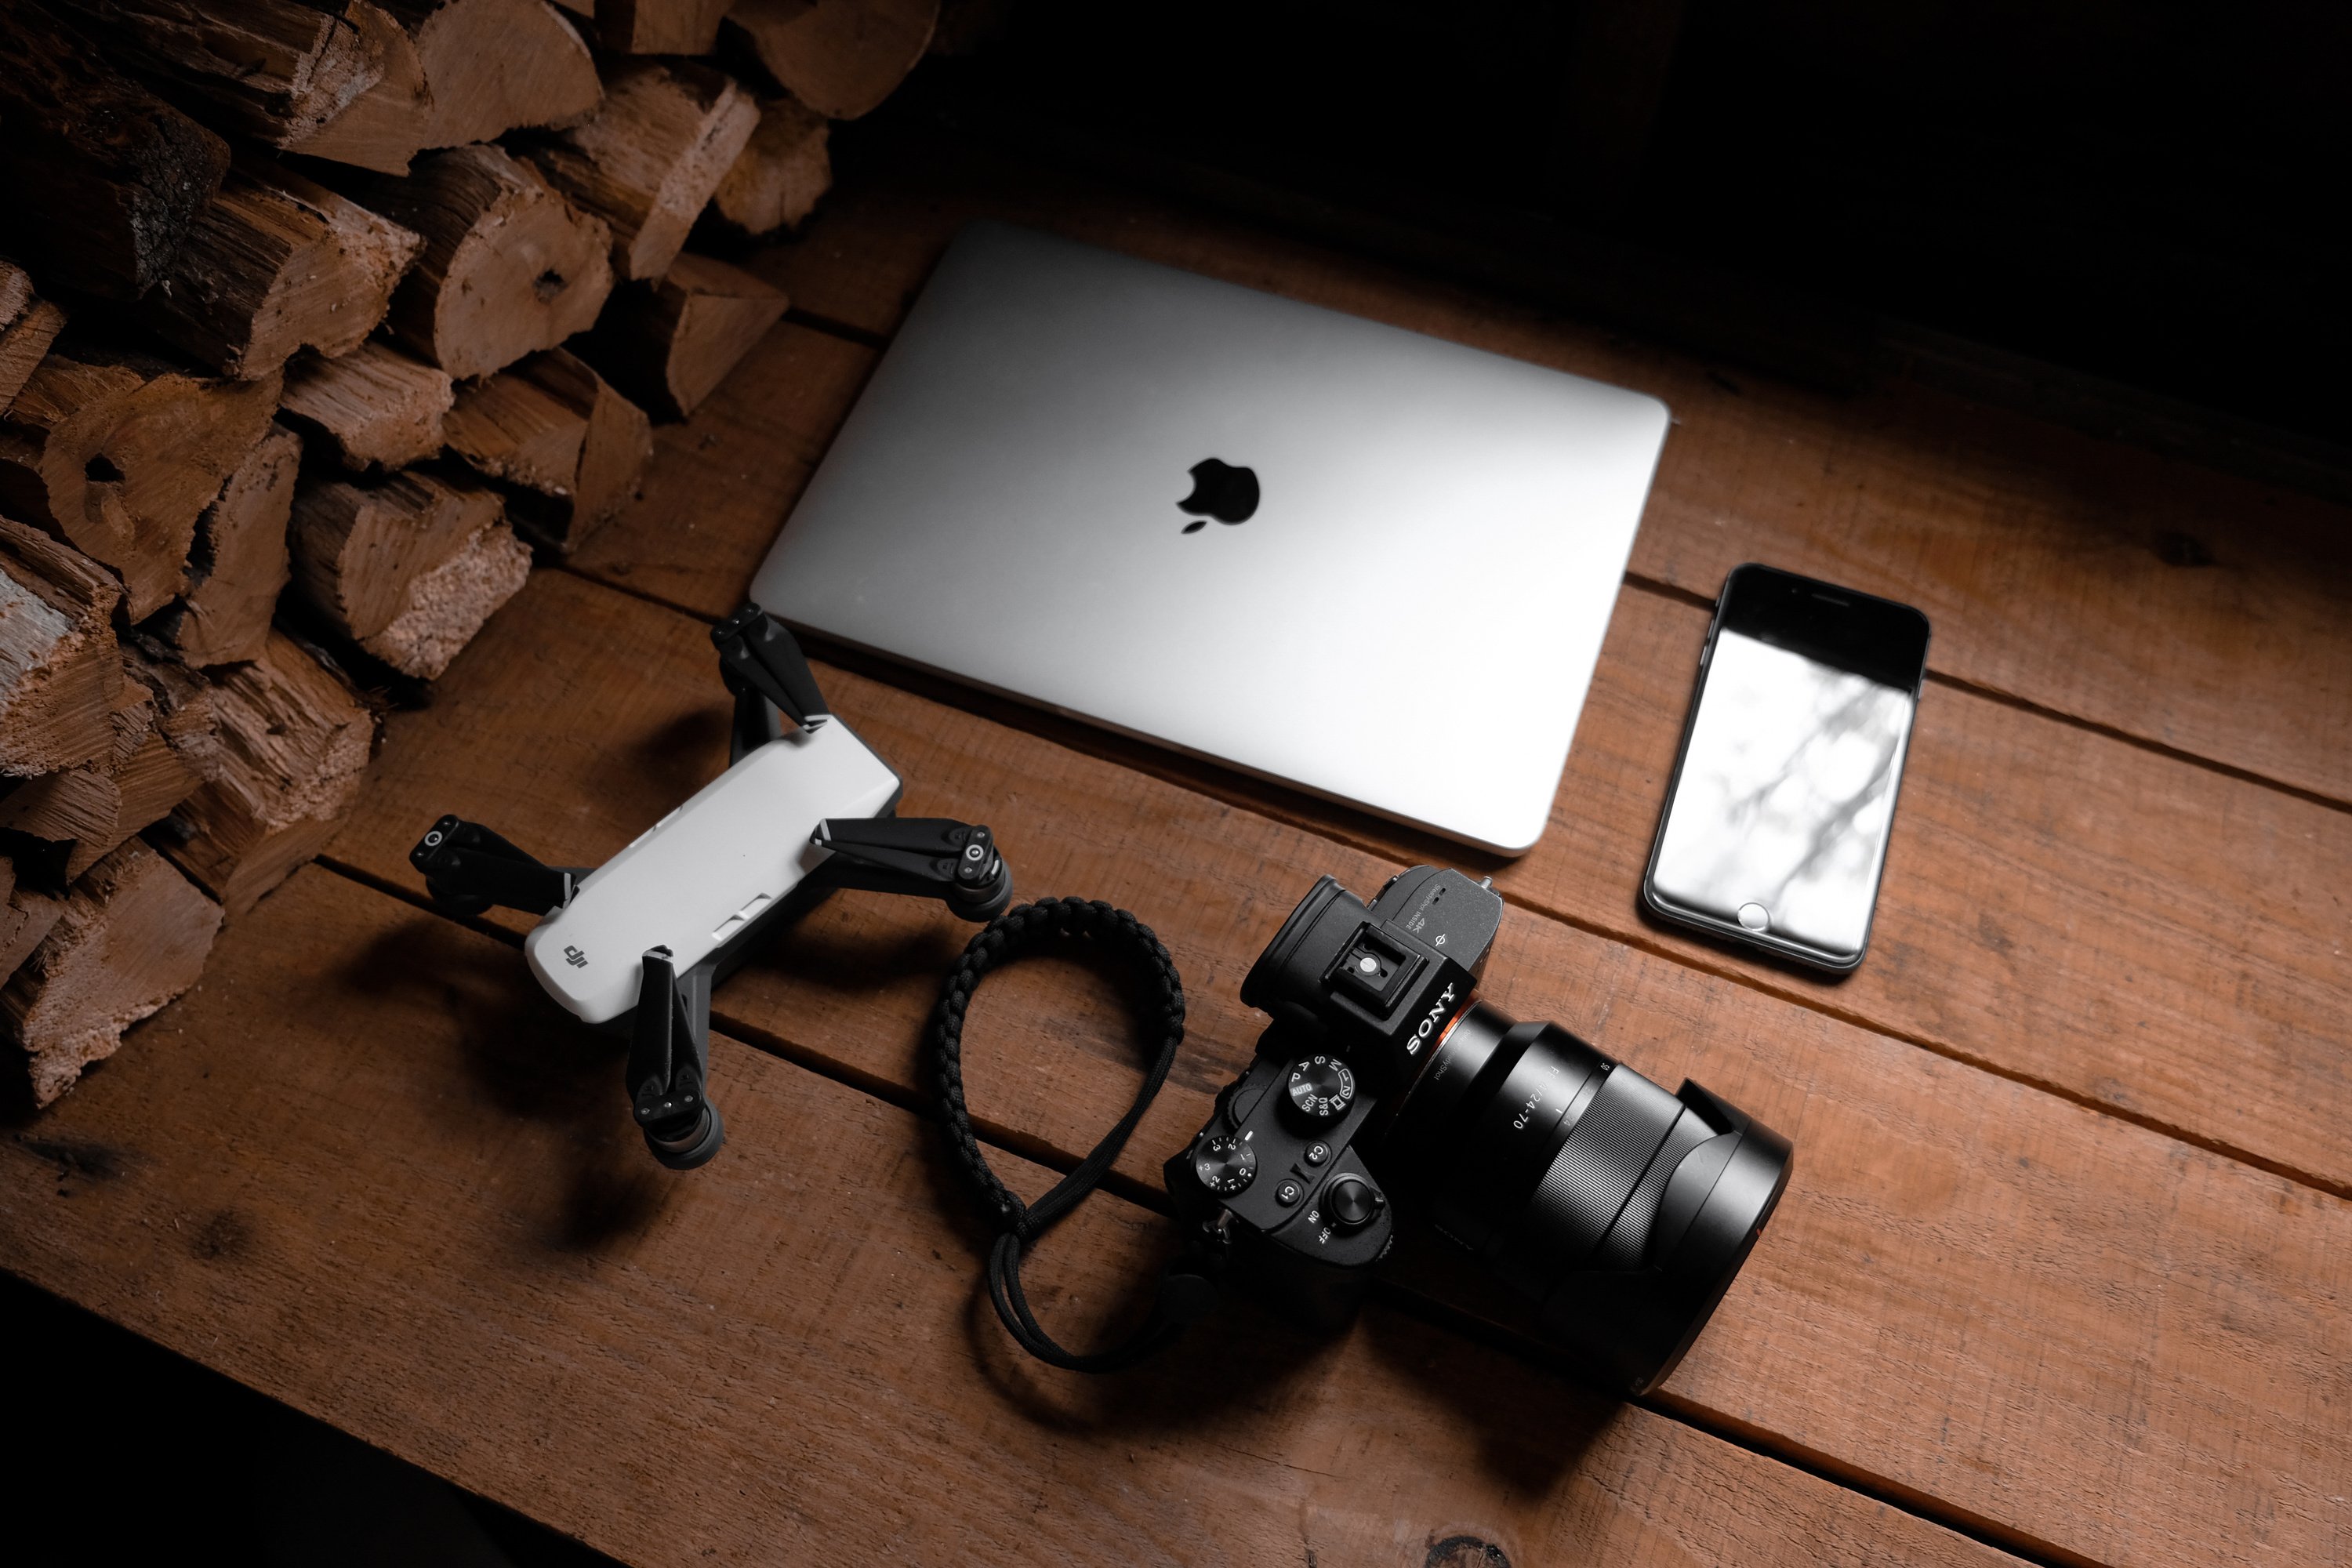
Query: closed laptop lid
x=1032 y=495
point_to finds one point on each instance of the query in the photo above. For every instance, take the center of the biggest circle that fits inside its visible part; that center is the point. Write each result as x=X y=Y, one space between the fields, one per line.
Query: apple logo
x=1220 y=490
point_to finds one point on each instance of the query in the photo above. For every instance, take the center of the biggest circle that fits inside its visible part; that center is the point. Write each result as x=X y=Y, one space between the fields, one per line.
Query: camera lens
x=1624 y=1210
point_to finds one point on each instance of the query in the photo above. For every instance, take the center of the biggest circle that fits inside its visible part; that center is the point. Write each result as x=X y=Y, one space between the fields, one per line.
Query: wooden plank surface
x=366 y=1172
x=2080 y=1335
x=2189 y=609
x=2078 y=913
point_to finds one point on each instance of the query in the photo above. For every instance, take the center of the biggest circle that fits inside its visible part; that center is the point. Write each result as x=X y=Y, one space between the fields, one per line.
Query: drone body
x=636 y=945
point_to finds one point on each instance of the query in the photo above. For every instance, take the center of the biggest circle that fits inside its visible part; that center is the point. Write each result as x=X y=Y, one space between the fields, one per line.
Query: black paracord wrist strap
x=1014 y=935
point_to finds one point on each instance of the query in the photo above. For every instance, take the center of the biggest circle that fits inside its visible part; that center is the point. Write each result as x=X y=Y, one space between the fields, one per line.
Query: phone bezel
x=1836 y=625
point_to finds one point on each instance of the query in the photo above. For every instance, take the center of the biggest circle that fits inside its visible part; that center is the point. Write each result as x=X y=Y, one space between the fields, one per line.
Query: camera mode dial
x=1321 y=1089
x=1224 y=1164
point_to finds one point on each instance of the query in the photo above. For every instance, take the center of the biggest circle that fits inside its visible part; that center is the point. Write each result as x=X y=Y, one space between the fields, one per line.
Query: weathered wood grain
x=2094 y=1338
x=2187 y=608
x=366 y=1174
x=2126 y=928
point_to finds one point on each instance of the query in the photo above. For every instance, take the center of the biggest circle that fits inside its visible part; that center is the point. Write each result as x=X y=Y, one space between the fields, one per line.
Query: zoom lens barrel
x=1623 y=1211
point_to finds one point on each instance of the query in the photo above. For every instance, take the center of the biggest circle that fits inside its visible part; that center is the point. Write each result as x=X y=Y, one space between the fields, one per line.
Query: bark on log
x=276 y=70
x=554 y=426
x=374 y=408
x=781 y=173
x=389 y=123
x=841 y=57
x=292 y=746
x=103 y=177
x=647 y=161
x=132 y=935
x=117 y=452
x=660 y=26
x=60 y=673
x=239 y=562
x=29 y=325
x=276 y=263
x=409 y=569
x=509 y=266
x=670 y=346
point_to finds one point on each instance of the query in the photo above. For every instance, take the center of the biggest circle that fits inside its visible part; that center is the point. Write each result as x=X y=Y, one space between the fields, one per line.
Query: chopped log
x=447 y=606
x=965 y=26
x=389 y=123
x=781 y=173
x=276 y=263
x=409 y=569
x=85 y=812
x=374 y=407
x=26 y=915
x=276 y=70
x=647 y=161
x=60 y=673
x=117 y=452
x=293 y=742
x=132 y=935
x=554 y=426
x=671 y=345
x=496 y=66
x=240 y=562
x=29 y=325
x=103 y=177
x=660 y=26
x=509 y=266
x=841 y=57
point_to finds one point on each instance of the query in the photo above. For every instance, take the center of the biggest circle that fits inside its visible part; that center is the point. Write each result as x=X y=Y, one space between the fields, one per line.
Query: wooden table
x=2060 y=1276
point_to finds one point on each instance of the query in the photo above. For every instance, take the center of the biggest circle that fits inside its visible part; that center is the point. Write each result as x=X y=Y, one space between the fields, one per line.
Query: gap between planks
x=1273 y=802
x=1039 y=1151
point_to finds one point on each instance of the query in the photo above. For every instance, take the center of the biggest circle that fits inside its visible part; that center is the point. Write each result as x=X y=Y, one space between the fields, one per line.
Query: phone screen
x=1776 y=827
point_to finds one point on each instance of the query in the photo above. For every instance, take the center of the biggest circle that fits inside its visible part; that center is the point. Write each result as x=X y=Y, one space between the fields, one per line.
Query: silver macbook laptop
x=1332 y=553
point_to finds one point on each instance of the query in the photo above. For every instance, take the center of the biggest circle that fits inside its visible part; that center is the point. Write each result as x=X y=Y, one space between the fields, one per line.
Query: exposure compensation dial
x=1226 y=1164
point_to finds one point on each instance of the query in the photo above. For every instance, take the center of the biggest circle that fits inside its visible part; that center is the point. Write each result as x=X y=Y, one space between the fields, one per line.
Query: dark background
x=2134 y=198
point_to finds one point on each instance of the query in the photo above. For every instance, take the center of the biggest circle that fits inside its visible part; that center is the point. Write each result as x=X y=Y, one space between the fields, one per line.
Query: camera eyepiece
x=1623 y=1211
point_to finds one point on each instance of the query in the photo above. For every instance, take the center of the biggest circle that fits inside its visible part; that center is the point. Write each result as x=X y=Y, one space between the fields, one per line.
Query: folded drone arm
x=769 y=675
x=668 y=1070
x=919 y=856
x=470 y=869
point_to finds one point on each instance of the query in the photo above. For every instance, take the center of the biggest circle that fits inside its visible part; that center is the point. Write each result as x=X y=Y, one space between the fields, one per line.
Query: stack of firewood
x=318 y=320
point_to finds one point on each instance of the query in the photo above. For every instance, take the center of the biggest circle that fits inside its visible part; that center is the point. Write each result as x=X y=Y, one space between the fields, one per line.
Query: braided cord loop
x=1012 y=936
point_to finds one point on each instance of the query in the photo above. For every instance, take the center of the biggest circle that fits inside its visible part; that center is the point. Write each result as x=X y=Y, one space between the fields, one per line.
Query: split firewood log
x=841 y=57
x=85 y=812
x=648 y=160
x=61 y=672
x=660 y=26
x=239 y=561
x=276 y=263
x=557 y=428
x=781 y=173
x=670 y=346
x=390 y=121
x=291 y=746
x=374 y=408
x=117 y=451
x=965 y=26
x=29 y=325
x=409 y=569
x=103 y=177
x=509 y=267
x=27 y=914
x=131 y=935
x=276 y=70
x=496 y=66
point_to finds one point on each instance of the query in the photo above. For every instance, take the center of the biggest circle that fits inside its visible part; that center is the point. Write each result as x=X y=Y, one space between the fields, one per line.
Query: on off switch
x=1321 y=1089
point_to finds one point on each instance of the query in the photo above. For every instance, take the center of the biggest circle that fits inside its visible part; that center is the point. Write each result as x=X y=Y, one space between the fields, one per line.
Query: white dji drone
x=636 y=946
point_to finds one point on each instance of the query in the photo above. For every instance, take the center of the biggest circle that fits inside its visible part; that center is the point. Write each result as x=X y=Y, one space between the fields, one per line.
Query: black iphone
x=1776 y=824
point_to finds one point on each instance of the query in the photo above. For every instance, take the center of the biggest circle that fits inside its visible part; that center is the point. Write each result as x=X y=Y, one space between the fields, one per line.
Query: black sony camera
x=1621 y=1210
